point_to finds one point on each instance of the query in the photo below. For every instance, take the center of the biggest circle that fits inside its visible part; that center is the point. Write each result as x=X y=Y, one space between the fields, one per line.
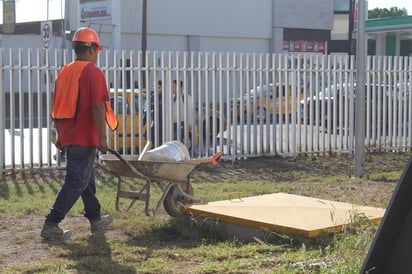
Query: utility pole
x=360 y=92
x=144 y=45
x=63 y=15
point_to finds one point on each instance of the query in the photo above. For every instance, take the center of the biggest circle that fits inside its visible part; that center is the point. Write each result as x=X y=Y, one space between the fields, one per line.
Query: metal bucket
x=169 y=151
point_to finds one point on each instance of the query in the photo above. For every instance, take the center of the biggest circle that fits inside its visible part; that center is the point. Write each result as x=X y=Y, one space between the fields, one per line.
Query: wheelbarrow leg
x=142 y=195
x=147 y=200
x=120 y=194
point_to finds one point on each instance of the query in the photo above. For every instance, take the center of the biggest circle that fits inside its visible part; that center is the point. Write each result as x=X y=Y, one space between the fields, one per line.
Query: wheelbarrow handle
x=124 y=161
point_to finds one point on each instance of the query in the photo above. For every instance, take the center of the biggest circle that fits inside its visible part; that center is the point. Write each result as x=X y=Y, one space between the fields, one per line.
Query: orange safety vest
x=67 y=91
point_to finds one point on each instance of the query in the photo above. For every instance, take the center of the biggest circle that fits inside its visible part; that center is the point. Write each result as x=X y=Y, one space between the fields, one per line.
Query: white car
x=327 y=104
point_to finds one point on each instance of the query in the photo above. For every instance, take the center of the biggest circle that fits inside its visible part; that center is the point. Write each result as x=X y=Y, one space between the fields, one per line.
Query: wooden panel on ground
x=285 y=213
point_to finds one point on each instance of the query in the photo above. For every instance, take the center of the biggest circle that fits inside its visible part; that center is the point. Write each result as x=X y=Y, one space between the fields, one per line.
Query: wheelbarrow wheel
x=175 y=198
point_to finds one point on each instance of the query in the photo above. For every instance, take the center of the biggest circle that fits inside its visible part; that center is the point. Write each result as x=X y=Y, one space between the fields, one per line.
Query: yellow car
x=123 y=103
x=269 y=100
x=128 y=136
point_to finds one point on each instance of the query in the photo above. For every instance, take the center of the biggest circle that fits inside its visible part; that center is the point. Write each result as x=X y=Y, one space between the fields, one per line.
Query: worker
x=80 y=111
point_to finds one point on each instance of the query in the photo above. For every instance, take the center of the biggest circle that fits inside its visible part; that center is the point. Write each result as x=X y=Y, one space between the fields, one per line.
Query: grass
x=140 y=244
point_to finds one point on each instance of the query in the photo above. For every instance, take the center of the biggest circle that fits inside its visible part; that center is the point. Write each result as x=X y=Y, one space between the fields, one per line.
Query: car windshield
x=137 y=103
x=258 y=92
x=329 y=91
x=120 y=104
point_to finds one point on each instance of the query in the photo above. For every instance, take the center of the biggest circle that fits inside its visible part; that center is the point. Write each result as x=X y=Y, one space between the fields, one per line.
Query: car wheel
x=210 y=133
x=261 y=115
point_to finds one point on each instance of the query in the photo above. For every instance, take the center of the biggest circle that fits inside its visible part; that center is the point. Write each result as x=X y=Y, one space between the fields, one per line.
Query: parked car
x=388 y=102
x=273 y=101
x=210 y=118
x=121 y=102
x=322 y=106
x=123 y=115
x=334 y=102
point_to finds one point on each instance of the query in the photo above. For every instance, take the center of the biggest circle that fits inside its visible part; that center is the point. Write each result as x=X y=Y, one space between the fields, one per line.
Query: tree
x=382 y=13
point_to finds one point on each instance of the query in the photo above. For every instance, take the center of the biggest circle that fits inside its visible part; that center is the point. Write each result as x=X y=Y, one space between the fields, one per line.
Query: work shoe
x=102 y=224
x=54 y=232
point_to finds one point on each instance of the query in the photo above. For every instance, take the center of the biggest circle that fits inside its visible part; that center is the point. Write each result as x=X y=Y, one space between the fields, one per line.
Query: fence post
x=2 y=113
x=360 y=99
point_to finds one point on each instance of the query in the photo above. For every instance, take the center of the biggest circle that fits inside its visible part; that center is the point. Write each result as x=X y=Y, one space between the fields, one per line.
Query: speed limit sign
x=46 y=34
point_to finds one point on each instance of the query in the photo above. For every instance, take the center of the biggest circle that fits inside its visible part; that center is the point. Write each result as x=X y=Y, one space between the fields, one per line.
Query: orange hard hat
x=86 y=35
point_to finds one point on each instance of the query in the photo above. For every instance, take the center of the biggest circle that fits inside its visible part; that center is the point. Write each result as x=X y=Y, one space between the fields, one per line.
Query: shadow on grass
x=29 y=182
x=94 y=256
x=32 y=181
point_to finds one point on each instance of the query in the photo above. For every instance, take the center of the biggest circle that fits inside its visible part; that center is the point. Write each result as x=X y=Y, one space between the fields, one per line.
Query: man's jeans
x=78 y=182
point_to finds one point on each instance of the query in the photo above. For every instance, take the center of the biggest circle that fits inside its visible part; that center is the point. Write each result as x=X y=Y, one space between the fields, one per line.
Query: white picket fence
x=308 y=106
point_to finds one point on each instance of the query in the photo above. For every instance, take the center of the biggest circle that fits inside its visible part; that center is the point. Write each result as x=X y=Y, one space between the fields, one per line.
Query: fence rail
x=244 y=104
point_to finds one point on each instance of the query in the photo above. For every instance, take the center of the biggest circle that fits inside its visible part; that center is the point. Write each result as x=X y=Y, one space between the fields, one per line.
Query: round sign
x=46 y=35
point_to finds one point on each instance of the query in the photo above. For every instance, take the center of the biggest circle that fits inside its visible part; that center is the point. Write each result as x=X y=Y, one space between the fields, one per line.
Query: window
x=342 y=5
x=136 y=103
x=340 y=29
x=119 y=104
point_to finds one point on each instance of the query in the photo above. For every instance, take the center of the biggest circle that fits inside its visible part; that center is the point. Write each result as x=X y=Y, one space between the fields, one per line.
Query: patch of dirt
x=15 y=232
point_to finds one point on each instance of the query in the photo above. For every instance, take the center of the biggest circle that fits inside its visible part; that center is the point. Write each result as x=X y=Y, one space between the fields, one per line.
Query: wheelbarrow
x=172 y=177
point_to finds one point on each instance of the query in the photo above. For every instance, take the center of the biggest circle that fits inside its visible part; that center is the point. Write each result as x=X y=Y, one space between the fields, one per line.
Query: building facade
x=260 y=26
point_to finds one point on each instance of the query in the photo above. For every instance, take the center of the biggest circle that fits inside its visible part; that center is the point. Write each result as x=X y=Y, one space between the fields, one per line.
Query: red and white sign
x=95 y=10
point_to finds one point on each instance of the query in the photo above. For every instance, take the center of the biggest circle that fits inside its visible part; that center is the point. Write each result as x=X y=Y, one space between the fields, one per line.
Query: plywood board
x=286 y=213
